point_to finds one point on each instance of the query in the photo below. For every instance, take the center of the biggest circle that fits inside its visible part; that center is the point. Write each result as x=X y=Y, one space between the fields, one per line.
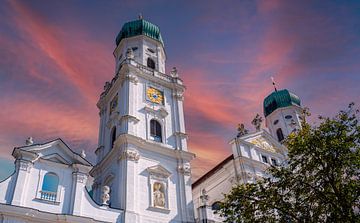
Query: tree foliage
x=318 y=183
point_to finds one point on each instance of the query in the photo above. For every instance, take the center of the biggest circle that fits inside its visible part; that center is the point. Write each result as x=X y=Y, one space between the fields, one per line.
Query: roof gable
x=265 y=141
x=55 y=151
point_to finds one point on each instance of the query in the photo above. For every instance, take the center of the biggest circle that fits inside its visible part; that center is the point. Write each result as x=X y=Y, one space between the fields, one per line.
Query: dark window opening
x=280 y=134
x=113 y=137
x=274 y=162
x=264 y=159
x=215 y=206
x=151 y=63
x=155 y=130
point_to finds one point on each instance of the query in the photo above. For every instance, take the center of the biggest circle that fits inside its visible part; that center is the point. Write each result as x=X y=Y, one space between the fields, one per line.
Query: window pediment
x=159 y=171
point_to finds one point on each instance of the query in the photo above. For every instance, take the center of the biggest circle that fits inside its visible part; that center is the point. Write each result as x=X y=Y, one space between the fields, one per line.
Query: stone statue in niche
x=159 y=197
x=105 y=197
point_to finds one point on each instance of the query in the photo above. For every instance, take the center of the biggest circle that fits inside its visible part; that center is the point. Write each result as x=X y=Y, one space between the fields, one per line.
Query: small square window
x=264 y=159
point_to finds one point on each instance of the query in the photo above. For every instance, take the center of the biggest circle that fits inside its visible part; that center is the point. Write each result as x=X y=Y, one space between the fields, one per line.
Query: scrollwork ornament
x=131 y=155
x=25 y=165
x=185 y=169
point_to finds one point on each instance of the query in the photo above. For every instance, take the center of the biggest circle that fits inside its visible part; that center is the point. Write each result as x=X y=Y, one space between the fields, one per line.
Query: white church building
x=142 y=172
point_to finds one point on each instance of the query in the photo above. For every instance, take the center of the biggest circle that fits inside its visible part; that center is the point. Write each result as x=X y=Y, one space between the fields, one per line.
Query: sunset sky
x=57 y=55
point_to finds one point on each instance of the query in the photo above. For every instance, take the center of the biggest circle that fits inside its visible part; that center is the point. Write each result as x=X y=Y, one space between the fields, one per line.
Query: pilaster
x=23 y=169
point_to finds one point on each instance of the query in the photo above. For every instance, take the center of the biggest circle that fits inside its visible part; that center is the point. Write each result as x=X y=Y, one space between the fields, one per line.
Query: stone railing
x=47 y=195
x=154 y=73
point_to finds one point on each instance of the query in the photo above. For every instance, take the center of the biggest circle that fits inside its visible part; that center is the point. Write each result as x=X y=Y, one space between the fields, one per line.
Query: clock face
x=155 y=96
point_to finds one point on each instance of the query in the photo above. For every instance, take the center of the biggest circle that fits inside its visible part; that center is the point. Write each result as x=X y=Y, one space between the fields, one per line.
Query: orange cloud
x=78 y=63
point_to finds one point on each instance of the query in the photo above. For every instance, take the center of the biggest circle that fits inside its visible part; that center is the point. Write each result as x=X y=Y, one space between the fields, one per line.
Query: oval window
x=276 y=122
x=151 y=50
x=288 y=117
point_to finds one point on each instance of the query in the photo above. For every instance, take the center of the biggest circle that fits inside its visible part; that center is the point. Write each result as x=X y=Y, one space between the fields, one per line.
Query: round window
x=288 y=117
x=276 y=122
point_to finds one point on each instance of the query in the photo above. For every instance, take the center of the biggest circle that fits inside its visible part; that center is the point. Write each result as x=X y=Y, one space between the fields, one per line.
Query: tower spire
x=273 y=83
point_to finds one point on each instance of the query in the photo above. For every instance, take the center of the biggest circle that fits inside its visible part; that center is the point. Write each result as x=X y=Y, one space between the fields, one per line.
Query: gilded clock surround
x=154 y=95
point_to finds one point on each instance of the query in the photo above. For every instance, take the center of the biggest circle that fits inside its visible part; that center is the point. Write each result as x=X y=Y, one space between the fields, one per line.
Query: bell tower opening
x=150 y=63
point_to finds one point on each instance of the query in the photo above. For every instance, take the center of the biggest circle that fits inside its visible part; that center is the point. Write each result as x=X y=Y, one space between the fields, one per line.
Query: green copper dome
x=139 y=27
x=279 y=99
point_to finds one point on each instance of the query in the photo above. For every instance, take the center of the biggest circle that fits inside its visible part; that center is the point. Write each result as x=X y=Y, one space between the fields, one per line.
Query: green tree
x=318 y=183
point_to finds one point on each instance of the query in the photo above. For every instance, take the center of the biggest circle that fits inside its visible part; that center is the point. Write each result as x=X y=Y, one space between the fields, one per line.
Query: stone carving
x=263 y=144
x=29 y=141
x=179 y=96
x=241 y=130
x=25 y=165
x=204 y=197
x=132 y=78
x=131 y=155
x=185 y=169
x=159 y=196
x=257 y=122
x=83 y=154
x=174 y=72
x=107 y=85
x=129 y=54
x=80 y=178
x=105 y=197
x=305 y=113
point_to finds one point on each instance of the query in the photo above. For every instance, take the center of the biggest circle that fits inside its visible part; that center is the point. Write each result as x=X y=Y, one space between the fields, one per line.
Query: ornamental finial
x=241 y=130
x=273 y=83
x=140 y=16
x=257 y=122
x=29 y=141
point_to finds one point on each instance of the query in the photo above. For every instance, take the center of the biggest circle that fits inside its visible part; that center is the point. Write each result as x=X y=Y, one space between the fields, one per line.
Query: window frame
x=40 y=185
x=280 y=134
x=264 y=157
x=158 y=127
x=150 y=63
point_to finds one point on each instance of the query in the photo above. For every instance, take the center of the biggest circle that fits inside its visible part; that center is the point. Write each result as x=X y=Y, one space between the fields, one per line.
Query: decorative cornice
x=181 y=135
x=161 y=112
x=130 y=118
x=159 y=171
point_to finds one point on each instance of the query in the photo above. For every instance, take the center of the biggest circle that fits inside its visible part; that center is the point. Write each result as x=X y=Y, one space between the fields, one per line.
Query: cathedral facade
x=142 y=171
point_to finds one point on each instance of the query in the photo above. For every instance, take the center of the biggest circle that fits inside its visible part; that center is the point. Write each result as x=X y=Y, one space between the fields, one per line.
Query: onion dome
x=280 y=99
x=139 y=27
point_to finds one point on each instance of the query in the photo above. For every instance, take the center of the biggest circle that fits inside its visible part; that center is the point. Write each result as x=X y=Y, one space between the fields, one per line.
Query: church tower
x=282 y=111
x=142 y=154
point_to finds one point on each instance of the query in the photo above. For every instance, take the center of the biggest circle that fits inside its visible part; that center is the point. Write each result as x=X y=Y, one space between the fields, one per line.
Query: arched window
x=49 y=187
x=155 y=130
x=215 y=206
x=150 y=63
x=280 y=134
x=113 y=137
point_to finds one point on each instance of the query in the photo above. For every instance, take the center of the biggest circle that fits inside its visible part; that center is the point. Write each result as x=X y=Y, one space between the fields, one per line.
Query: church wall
x=34 y=185
x=6 y=189
x=216 y=185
